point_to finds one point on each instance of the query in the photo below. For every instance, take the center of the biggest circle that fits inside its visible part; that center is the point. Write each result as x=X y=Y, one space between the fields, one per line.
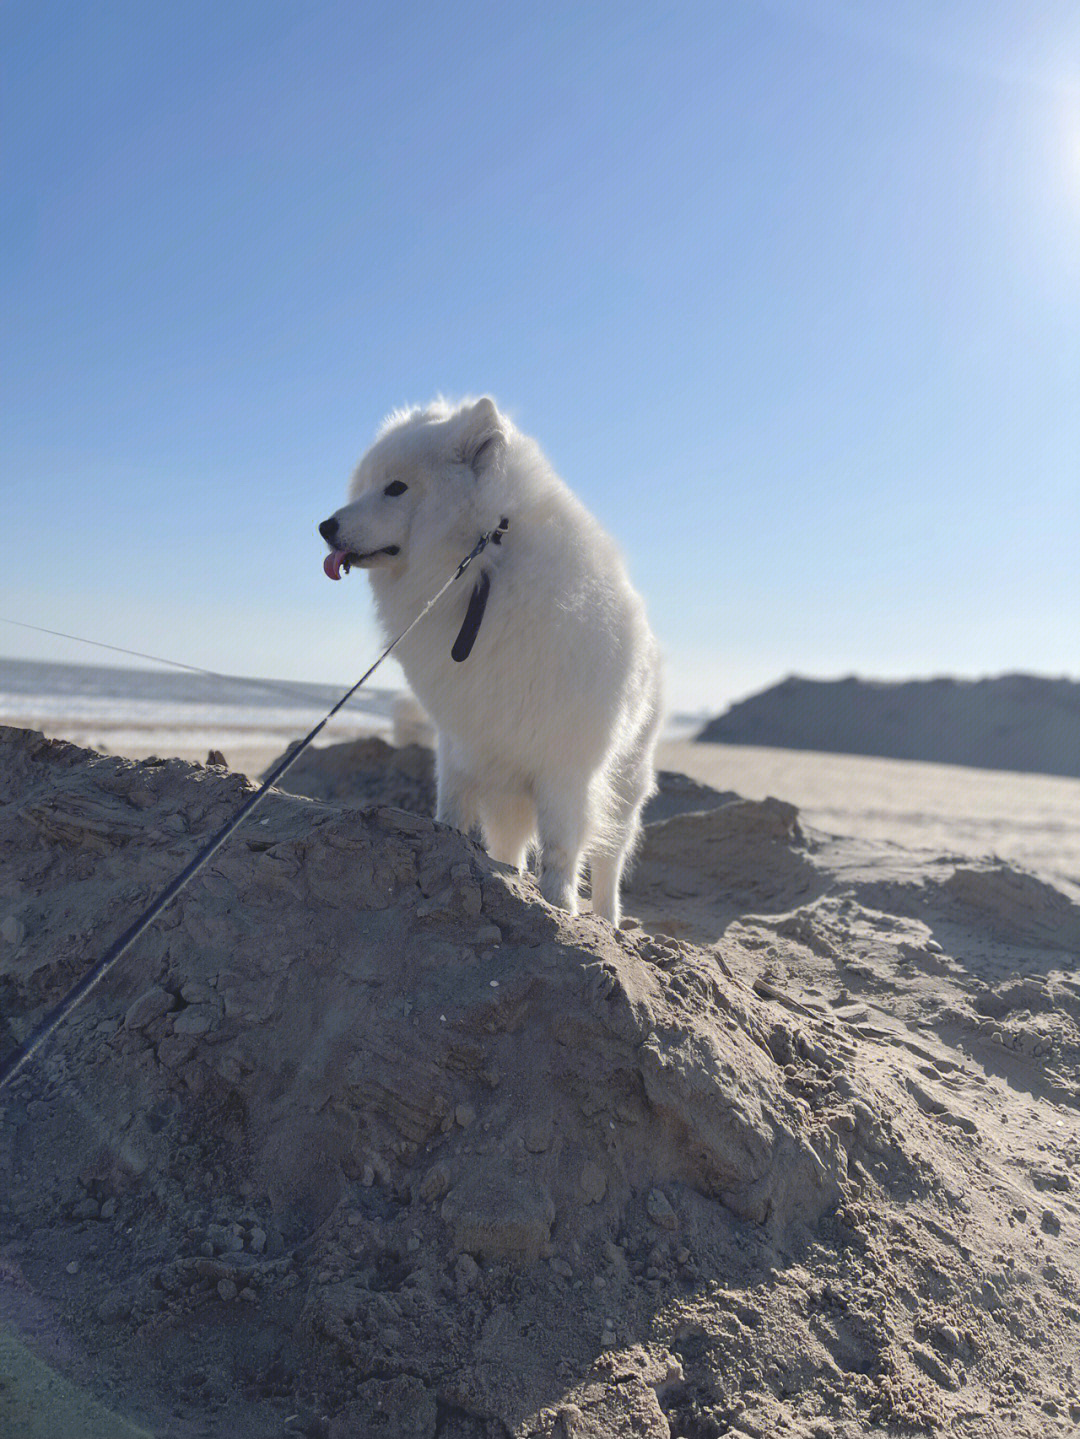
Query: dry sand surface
x=364 y=1139
x=1029 y=819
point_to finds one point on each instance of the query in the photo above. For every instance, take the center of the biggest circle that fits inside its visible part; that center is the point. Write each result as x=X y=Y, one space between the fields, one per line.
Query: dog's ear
x=483 y=438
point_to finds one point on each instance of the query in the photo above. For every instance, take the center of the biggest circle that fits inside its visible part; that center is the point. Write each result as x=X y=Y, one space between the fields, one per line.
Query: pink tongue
x=333 y=562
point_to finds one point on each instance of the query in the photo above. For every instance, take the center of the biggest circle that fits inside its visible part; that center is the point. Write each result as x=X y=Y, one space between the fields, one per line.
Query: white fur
x=411 y=722
x=546 y=732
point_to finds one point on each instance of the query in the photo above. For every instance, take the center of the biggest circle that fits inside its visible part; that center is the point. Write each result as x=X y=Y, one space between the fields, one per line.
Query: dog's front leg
x=562 y=816
x=456 y=804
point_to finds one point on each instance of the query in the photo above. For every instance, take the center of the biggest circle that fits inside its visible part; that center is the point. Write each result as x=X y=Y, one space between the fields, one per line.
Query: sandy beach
x=1032 y=819
x=663 y=391
x=366 y=1139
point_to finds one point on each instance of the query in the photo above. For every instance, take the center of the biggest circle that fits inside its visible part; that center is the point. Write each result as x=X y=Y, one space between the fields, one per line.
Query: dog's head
x=415 y=494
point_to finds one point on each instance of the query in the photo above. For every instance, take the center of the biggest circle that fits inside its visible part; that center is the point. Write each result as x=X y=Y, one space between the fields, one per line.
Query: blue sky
x=788 y=291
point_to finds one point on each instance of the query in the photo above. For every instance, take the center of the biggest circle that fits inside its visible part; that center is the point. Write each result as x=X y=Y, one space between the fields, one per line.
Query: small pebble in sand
x=150 y=1005
x=1050 y=1222
x=226 y=1289
x=435 y=1184
x=593 y=1182
x=12 y=931
x=224 y=1239
x=196 y=1019
x=660 y=1211
x=989 y=1296
x=113 y=1308
x=466 y=1270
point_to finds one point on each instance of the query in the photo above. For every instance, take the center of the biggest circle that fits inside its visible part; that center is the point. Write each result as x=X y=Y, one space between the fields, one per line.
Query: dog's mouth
x=338 y=560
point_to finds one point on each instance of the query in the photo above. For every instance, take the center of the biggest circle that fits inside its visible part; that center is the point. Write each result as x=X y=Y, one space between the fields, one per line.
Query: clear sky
x=789 y=291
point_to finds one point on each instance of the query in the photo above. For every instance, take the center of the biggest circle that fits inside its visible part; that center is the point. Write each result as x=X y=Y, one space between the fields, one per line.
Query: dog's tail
x=411 y=721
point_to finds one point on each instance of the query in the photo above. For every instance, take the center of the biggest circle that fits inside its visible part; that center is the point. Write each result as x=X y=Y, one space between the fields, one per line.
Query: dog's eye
x=395 y=487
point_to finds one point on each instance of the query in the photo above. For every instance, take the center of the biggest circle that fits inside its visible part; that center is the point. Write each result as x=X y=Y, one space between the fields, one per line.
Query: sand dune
x=1014 y=722
x=367 y=1139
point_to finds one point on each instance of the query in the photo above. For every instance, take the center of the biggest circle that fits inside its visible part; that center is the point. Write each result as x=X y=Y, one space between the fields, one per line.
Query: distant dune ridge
x=1012 y=722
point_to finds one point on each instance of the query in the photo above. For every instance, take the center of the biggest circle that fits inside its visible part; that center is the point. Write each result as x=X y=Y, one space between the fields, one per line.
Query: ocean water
x=177 y=706
x=134 y=710
x=67 y=689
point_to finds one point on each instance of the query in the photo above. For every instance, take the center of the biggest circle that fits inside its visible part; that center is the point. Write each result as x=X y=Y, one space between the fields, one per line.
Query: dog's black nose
x=328 y=529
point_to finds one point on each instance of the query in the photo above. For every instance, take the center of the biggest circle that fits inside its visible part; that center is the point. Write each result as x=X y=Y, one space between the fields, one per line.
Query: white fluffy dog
x=538 y=668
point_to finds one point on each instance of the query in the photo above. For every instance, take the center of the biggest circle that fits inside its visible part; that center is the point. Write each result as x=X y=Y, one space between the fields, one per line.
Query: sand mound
x=1015 y=906
x=743 y=855
x=1012 y=722
x=678 y=794
x=987 y=899
x=356 y=1038
x=363 y=1139
x=368 y=772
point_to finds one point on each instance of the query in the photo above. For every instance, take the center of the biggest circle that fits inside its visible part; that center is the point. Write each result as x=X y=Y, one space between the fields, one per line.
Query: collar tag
x=473 y=615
